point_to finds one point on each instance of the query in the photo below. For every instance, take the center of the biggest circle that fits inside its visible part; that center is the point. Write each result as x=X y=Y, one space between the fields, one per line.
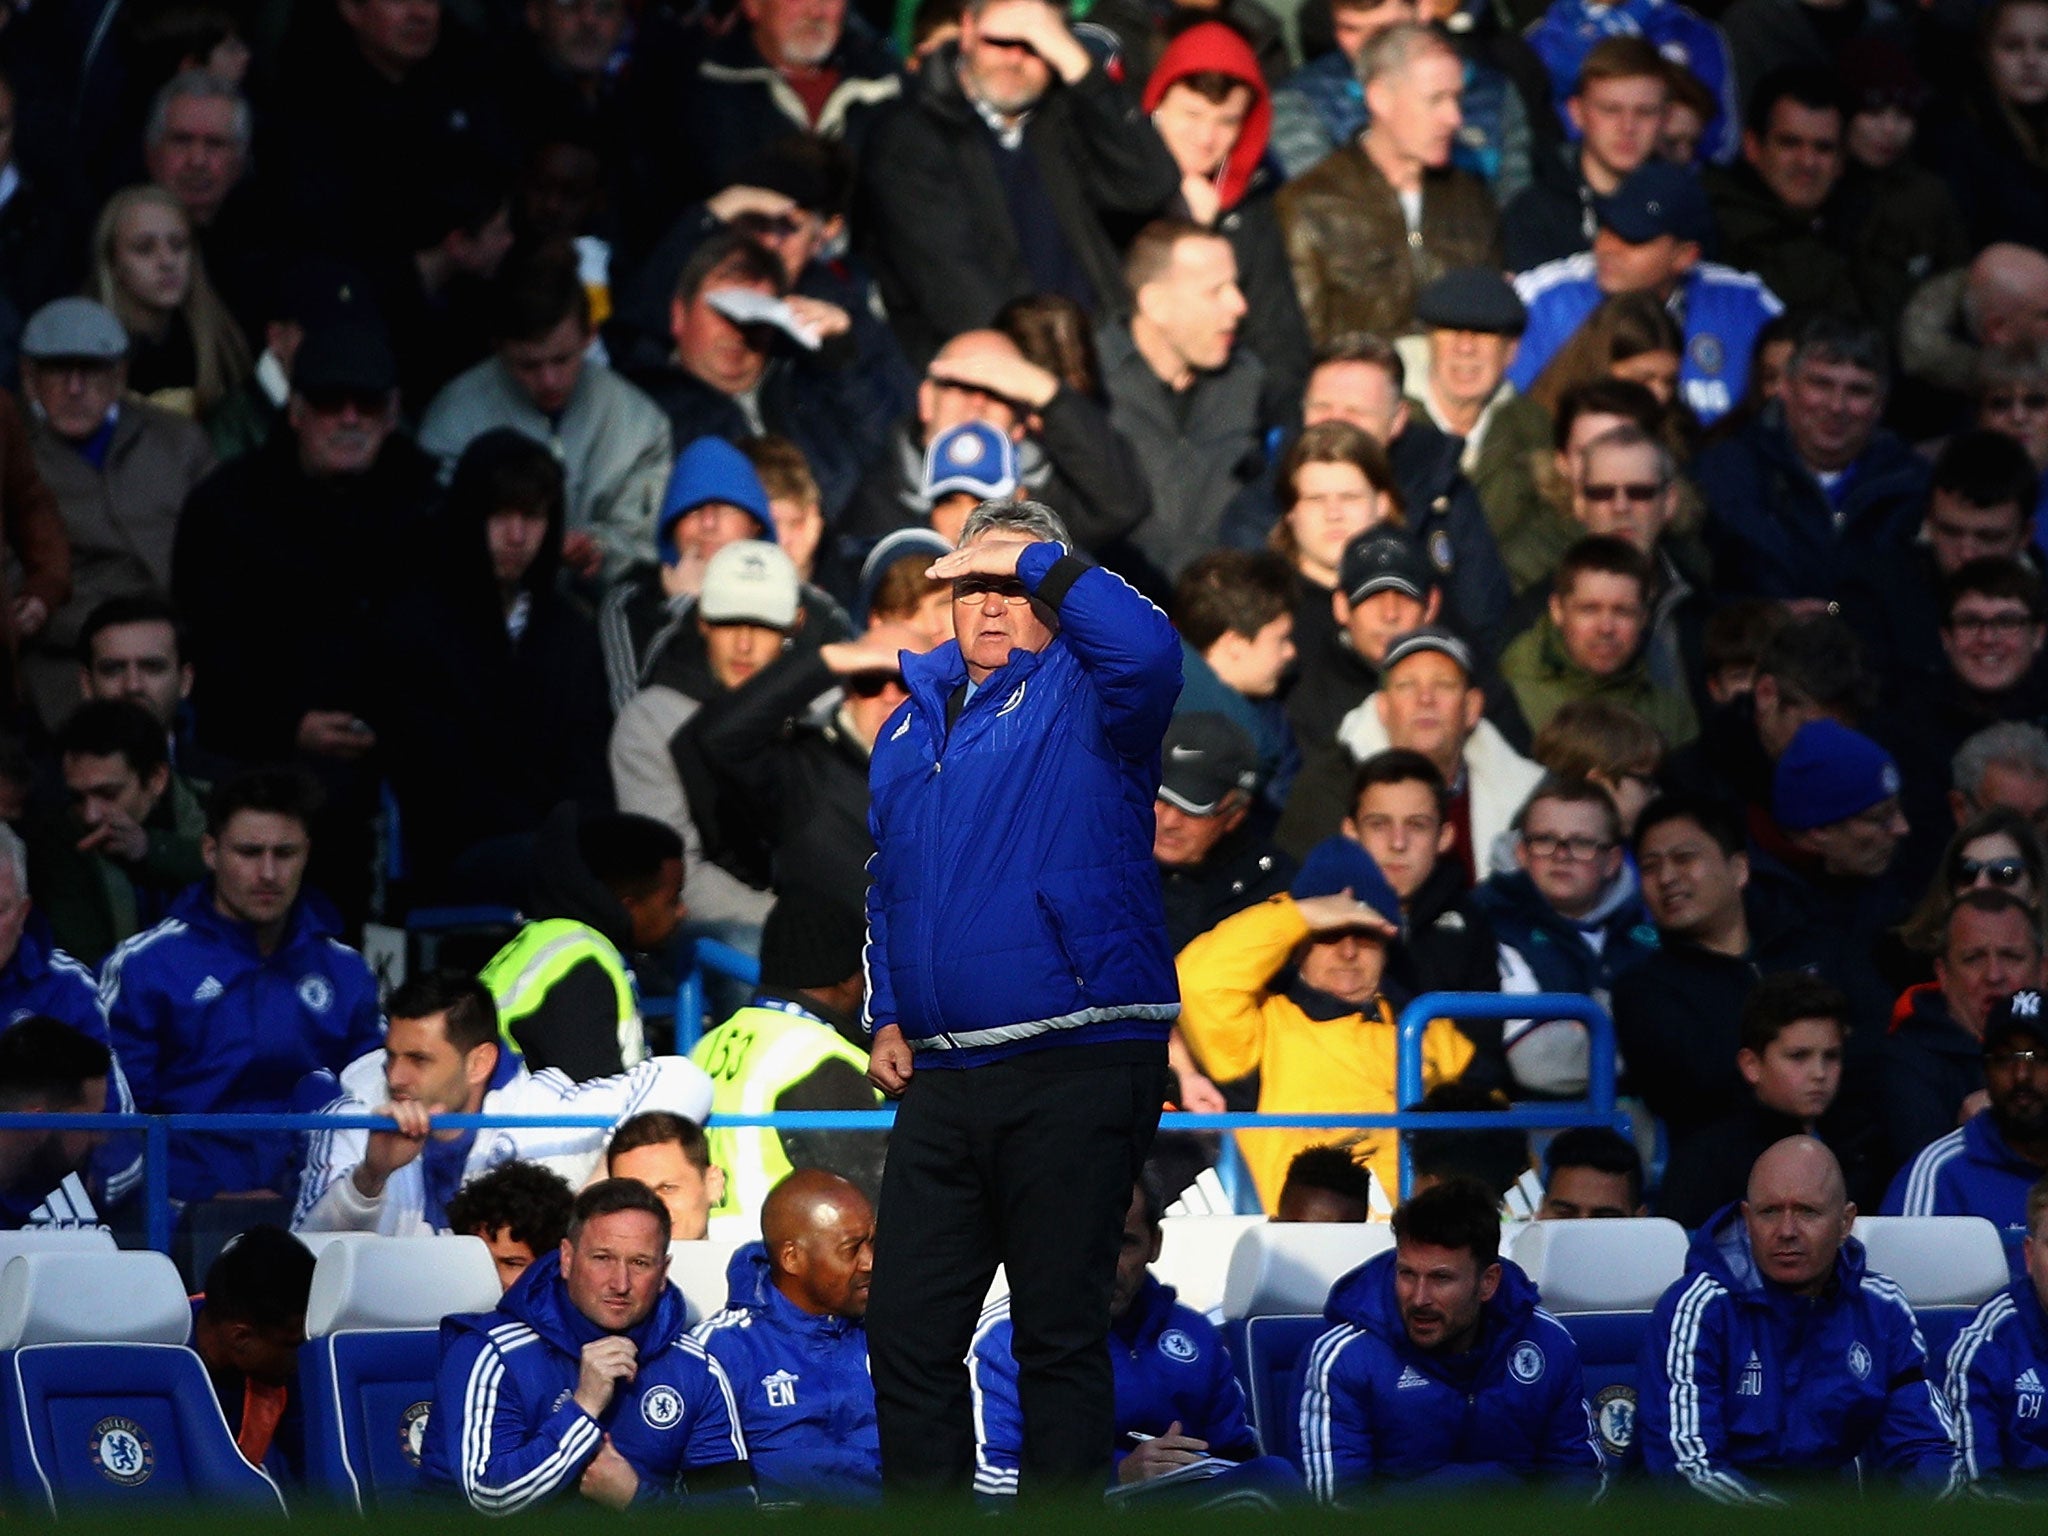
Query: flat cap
x=1472 y=299
x=74 y=328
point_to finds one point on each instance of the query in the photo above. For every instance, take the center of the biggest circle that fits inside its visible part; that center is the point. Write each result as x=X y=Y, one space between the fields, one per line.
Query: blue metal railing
x=1597 y=1108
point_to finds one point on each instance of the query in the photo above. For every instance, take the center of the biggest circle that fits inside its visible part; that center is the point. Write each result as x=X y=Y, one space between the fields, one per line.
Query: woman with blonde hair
x=187 y=354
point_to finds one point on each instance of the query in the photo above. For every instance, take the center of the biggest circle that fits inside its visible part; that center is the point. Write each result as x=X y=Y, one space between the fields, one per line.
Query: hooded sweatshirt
x=506 y=1430
x=806 y=1403
x=1211 y=47
x=1742 y=1383
x=1373 y=1407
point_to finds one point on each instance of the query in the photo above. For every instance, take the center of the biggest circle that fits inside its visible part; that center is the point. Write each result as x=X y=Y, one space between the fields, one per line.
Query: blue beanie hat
x=1829 y=773
x=1338 y=864
x=710 y=469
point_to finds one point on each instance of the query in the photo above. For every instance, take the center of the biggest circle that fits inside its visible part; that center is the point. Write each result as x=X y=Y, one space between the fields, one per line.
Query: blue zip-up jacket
x=1014 y=900
x=1170 y=1365
x=507 y=1433
x=1566 y=33
x=204 y=1022
x=1721 y=312
x=1557 y=948
x=42 y=981
x=806 y=1401
x=1372 y=1408
x=1972 y=1171
x=1741 y=1383
x=1997 y=1383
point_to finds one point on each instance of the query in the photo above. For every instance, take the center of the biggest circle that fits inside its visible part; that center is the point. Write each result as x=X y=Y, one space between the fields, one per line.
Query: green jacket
x=1545 y=679
x=93 y=902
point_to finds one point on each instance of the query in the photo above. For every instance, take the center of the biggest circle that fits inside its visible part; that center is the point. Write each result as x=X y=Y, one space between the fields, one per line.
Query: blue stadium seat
x=106 y=1406
x=1280 y=1275
x=1601 y=1279
x=373 y=1328
x=1948 y=1266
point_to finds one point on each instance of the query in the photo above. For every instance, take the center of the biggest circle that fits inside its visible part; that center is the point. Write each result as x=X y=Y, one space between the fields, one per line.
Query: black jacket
x=281 y=576
x=937 y=222
x=1552 y=217
x=1931 y=1064
x=574 y=1026
x=483 y=734
x=1241 y=871
x=1449 y=946
x=779 y=790
x=1709 y=1170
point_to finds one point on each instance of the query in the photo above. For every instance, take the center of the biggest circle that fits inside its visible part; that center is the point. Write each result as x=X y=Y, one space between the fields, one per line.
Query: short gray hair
x=198 y=85
x=1399 y=47
x=14 y=856
x=2010 y=742
x=1030 y=517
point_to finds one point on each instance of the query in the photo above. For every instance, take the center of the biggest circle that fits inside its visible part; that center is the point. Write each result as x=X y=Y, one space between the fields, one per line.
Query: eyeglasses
x=2003 y=873
x=1548 y=845
x=2016 y=400
x=2010 y=1059
x=1636 y=490
x=2007 y=624
x=332 y=402
x=1011 y=592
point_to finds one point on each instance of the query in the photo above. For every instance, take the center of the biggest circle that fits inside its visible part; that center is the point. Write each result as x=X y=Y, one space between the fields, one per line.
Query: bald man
x=1068 y=455
x=1999 y=300
x=792 y=1341
x=1780 y=1358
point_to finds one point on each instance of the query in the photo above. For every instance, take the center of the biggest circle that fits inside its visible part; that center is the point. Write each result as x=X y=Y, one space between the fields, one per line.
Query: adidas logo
x=2029 y=1381
x=1752 y=1383
x=1410 y=1377
x=208 y=990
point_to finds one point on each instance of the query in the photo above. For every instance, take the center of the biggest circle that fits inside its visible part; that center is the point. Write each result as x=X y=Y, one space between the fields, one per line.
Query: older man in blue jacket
x=1021 y=988
x=791 y=1341
x=1778 y=1356
x=1441 y=1367
x=583 y=1381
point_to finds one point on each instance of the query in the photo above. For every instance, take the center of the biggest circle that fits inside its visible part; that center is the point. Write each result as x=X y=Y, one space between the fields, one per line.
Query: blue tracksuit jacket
x=1374 y=1408
x=1170 y=1365
x=1741 y=1383
x=1723 y=311
x=505 y=1429
x=43 y=981
x=1970 y=1172
x=203 y=1022
x=806 y=1402
x=1014 y=900
x=1997 y=1368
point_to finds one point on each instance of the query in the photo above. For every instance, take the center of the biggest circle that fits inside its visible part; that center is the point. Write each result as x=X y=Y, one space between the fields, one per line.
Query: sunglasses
x=871 y=685
x=2017 y=400
x=1640 y=491
x=332 y=402
x=2003 y=873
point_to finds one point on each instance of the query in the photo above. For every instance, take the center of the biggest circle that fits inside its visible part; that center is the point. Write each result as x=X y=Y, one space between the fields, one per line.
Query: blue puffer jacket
x=505 y=1429
x=806 y=1401
x=1015 y=902
x=1557 y=949
x=204 y=1022
x=1171 y=1366
x=1741 y=1383
x=1996 y=1374
x=1374 y=1408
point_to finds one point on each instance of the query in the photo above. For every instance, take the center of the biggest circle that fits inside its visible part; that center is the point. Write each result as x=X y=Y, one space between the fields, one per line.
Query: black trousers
x=1027 y=1163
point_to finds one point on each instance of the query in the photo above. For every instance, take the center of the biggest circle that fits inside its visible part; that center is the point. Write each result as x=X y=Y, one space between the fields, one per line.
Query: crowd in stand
x=458 y=454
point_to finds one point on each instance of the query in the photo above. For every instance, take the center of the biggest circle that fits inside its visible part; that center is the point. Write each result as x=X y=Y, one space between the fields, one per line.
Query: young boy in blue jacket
x=583 y=1381
x=1779 y=1356
x=1442 y=1368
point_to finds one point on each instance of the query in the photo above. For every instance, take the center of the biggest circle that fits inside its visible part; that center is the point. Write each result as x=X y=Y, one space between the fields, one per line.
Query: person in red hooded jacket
x=1210 y=105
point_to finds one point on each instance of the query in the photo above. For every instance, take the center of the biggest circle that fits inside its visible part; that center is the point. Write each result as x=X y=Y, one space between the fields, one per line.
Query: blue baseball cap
x=1338 y=864
x=972 y=457
x=1829 y=773
x=1658 y=198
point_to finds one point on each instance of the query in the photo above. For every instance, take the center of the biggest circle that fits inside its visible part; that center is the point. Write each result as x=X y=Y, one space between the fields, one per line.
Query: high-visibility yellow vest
x=751 y=1059
x=521 y=974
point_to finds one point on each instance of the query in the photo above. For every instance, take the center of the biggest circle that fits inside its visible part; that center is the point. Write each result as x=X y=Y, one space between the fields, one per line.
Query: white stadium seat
x=1938 y=1261
x=1286 y=1269
x=77 y=1296
x=1618 y=1265
x=399 y=1282
x=698 y=1271
x=55 y=1240
x=1194 y=1255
